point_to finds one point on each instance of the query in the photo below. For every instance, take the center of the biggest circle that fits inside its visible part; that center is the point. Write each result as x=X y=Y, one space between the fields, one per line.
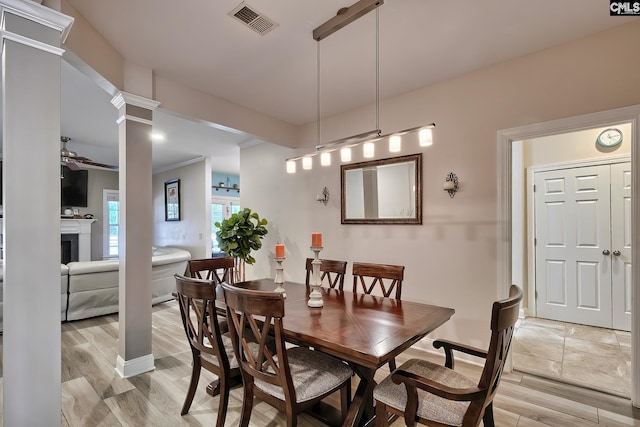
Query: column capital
x=126 y=98
x=35 y=12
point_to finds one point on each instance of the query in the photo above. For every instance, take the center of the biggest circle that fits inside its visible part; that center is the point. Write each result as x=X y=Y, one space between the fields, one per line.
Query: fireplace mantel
x=81 y=227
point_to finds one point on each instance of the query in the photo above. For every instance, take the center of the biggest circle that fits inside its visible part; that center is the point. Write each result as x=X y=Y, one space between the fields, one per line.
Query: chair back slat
x=252 y=317
x=333 y=272
x=196 y=299
x=216 y=269
x=367 y=277
x=503 y=319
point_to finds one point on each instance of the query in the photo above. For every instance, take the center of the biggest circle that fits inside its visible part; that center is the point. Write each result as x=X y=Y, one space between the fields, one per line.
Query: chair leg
x=381 y=415
x=292 y=419
x=345 y=399
x=487 y=419
x=224 y=402
x=247 y=404
x=193 y=385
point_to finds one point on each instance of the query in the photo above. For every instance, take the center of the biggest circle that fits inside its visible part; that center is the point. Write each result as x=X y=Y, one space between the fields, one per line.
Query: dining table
x=366 y=331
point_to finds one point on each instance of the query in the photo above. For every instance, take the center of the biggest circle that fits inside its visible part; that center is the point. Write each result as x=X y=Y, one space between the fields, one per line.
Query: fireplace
x=69 y=248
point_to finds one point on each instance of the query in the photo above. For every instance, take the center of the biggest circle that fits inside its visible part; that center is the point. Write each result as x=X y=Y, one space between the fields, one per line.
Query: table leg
x=361 y=409
x=213 y=388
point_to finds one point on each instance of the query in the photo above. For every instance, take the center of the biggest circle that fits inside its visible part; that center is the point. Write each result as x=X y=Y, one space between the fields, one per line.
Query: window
x=111 y=223
x=220 y=209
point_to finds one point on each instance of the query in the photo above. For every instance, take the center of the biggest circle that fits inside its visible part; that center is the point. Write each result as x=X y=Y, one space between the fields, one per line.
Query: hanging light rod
x=345 y=16
x=349 y=141
x=352 y=141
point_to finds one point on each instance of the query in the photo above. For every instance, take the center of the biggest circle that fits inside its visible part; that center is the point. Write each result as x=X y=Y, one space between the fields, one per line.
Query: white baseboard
x=133 y=367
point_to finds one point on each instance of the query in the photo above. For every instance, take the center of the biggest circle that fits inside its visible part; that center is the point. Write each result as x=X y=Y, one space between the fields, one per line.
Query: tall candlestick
x=279 y=280
x=279 y=251
x=316 y=240
x=315 y=296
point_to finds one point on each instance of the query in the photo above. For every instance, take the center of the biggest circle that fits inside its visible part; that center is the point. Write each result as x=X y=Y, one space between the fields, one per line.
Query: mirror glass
x=384 y=191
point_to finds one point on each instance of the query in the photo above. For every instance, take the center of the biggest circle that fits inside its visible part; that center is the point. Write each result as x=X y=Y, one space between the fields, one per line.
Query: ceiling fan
x=74 y=162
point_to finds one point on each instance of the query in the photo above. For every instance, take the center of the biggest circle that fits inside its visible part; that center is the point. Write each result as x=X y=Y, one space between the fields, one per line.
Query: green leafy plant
x=240 y=234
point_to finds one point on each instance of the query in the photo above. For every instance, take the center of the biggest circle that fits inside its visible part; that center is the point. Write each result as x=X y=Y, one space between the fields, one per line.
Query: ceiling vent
x=253 y=19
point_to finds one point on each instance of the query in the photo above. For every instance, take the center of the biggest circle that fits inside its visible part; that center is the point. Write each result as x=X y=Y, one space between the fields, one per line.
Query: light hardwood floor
x=94 y=395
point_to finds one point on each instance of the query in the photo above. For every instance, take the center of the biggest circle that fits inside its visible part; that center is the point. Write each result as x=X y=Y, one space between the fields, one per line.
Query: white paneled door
x=621 y=245
x=582 y=245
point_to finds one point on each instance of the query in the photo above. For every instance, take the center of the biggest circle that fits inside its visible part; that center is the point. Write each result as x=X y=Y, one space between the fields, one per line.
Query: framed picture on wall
x=172 y=200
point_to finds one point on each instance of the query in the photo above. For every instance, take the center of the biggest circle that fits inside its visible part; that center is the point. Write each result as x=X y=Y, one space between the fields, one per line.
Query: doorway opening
x=512 y=264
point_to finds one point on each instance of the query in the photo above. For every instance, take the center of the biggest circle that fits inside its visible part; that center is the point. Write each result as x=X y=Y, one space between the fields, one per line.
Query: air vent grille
x=253 y=19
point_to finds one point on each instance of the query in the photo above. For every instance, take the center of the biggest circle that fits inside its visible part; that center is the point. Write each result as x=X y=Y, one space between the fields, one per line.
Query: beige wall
x=451 y=259
x=193 y=231
x=574 y=146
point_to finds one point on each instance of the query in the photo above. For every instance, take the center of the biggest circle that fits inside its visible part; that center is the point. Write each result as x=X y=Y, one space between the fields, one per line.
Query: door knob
x=606 y=252
x=616 y=253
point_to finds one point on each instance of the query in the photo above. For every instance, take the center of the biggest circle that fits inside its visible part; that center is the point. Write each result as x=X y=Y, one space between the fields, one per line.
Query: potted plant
x=240 y=234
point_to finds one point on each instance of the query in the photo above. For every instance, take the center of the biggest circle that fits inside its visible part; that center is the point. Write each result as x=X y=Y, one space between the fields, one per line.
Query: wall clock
x=610 y=137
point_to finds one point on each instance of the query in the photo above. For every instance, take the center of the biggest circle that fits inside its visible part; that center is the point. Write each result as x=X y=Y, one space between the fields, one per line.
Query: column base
x=133 y=367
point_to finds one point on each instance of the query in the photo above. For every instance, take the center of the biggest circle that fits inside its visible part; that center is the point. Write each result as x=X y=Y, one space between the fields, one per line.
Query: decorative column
x=136 y=233
x=32 y=36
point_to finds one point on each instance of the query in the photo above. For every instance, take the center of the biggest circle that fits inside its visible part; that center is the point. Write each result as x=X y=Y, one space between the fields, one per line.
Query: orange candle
x=279 y=251
x=316 y=240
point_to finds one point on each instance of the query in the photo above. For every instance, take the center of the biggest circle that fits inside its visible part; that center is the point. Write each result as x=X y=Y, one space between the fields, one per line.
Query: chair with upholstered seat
x=290 y=379
x=218 y=269
x=435 y=395
x=209 y=347
x=333 y=272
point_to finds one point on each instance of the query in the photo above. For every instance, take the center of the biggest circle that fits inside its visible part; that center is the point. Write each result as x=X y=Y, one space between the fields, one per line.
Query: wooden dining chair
x=218 y=269
x=435 y=395
x=387 y=277
x=210 y=349
x=333 y=272
x=290 y=379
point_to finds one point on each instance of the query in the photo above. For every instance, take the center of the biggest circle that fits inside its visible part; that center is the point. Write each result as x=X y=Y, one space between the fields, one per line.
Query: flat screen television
x=73 y=187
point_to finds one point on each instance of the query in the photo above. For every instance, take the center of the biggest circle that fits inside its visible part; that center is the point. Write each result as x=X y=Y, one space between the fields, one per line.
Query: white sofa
x=90 y=288
x=93 y=285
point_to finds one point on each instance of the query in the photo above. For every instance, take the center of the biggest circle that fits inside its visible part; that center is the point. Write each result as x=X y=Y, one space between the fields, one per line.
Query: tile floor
x=583 y=355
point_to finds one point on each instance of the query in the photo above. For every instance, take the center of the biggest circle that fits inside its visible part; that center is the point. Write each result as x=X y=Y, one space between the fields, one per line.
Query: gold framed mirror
x=387 y=191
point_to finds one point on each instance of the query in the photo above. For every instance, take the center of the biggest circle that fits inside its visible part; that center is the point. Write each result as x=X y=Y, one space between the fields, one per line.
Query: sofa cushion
x=87 y=267
x=168 y=255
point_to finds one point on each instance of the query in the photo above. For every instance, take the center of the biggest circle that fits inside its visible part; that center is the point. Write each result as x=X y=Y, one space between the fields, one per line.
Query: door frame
x=530 y=216
x=505 y=139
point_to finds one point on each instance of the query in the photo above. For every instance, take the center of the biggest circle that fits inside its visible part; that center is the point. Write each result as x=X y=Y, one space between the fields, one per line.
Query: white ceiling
x=197 y=44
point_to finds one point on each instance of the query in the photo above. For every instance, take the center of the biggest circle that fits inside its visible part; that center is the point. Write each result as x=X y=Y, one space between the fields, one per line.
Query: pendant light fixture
x=344 y=17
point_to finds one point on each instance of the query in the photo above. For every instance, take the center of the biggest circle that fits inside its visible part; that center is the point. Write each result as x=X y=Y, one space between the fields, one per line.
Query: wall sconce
x=451 y=184
x=324 y=197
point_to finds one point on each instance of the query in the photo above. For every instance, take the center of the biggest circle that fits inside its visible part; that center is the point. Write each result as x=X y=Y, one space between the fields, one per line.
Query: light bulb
x=368 y=149
x=325 y=159
x=345 y=154
x=425 y=136
x=395 y=143
x=307 y=163
x=291 y=166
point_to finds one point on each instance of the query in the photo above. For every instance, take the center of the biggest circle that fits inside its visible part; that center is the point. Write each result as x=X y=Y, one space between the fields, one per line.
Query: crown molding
x=36 y=12
x=126 y=98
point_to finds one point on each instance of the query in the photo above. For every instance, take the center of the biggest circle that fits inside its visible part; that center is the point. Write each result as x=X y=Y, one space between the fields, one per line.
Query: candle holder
x=315 y=296
x=279 y=280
